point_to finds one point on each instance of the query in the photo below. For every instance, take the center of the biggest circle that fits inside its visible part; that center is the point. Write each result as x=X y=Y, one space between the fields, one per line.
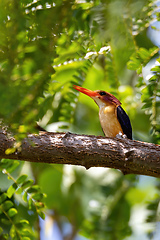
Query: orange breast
x=109 y=122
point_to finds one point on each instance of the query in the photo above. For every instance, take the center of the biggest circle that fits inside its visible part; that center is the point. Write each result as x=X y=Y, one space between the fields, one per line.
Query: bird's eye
x=102 y=93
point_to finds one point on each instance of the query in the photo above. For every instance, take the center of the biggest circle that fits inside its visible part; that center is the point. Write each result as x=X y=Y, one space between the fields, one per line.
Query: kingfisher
x=114 y=120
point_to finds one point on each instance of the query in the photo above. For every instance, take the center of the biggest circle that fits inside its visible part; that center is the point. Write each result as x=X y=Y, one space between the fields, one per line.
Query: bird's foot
x=121 y=135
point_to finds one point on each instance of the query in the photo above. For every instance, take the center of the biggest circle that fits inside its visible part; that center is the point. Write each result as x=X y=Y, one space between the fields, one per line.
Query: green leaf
x=13 y=166
x=26 y=238
x=144 y=53
x=11 y=190
x=19 y=190
x=3 y=197
x=41 y=214
x=156 y=69
x=27 y=184
x=12 y=212
x=33 y=189
x=37 y=196
x=6 y=236
x=153 y=78
x=9 y=165
x=25 y=195
x=25 y=231
x=13 y=232
x=21 y=179
x=5 y=221
x=0 y=210
x=39 y=205
x=22 y=224
x=1 y=230
x=134 y=63
x=7 y=205
x=30 y=203
x=147 y=105
x=10 y=151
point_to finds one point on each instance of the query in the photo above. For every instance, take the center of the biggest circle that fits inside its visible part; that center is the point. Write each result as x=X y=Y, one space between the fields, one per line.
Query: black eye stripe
x=102 y=93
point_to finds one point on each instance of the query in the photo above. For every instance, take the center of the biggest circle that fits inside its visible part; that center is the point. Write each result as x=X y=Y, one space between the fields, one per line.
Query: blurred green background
x=45 y=48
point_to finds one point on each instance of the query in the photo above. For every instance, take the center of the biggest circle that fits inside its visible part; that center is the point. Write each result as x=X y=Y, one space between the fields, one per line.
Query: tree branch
x=89 y=151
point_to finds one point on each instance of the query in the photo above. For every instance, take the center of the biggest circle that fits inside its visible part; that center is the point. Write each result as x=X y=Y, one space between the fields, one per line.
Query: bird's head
x=102 y=98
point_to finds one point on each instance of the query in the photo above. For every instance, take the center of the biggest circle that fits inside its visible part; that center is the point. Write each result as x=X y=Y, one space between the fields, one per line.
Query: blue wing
x=124 y=122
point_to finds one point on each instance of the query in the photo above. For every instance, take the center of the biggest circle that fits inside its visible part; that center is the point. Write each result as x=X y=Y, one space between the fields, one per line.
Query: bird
x=113 y=119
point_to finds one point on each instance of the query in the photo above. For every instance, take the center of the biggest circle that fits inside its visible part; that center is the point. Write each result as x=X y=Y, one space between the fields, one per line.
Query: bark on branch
x=89 y=151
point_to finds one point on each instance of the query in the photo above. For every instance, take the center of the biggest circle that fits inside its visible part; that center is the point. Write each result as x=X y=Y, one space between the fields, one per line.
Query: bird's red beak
x=86 y=91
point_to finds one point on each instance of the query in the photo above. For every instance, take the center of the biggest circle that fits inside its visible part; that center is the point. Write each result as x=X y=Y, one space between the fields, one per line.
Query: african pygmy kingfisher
x=113 y=118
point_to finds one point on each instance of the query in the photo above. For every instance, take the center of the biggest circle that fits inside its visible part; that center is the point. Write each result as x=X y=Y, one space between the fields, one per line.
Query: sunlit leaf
x=41 y=214
x=11 y=190
x=25 y=196
x=12 y=212
x=10 y=151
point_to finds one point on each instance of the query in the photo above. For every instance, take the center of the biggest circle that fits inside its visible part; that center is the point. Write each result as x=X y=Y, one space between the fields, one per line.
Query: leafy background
x=45 y=48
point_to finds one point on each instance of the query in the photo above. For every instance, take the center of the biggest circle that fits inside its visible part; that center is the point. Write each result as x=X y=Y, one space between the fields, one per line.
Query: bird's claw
x=121 y=135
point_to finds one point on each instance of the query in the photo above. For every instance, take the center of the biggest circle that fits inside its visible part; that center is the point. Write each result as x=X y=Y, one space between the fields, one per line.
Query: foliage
x=45 y=48
x=30 y=194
